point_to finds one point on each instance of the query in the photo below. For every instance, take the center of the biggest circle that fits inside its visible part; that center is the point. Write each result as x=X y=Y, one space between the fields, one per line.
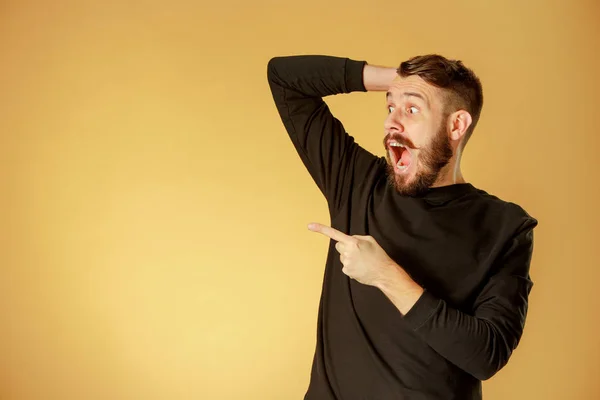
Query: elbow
x=486 y=369
x=497 y=352
x=272 y=66
x=485 y=372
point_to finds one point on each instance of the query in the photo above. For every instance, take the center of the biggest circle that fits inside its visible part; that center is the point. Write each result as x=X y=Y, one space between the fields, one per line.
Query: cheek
x=423 y=136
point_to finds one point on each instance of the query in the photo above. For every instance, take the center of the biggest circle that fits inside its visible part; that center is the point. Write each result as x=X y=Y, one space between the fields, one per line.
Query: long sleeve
x=330 y=154
x=482 y=341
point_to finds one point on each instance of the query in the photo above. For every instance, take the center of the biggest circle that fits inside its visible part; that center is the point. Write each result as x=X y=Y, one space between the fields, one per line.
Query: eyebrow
x=408 y=94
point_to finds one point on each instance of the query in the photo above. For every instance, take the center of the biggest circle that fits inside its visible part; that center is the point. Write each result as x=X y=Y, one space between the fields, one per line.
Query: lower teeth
x=401 y=167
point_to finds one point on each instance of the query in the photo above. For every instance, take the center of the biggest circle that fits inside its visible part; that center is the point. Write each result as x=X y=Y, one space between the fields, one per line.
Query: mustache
x=400 y=139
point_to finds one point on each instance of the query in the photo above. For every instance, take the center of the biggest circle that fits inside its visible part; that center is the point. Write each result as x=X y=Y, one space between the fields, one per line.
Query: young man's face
x=416 y=120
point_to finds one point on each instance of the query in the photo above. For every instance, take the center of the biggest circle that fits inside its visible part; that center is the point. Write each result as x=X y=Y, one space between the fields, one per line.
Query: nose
x=392 y=123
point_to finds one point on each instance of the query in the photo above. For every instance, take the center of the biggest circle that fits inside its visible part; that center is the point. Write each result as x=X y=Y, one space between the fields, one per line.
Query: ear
x=459 y=121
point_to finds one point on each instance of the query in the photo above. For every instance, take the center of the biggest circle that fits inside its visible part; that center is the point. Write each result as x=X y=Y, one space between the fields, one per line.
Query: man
x=427 y=277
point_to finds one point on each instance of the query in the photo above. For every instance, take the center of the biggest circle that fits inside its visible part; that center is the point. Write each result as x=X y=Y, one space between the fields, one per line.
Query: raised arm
x=298 y=85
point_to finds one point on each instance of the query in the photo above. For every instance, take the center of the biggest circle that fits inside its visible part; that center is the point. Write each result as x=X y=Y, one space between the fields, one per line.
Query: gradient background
x=153 y=211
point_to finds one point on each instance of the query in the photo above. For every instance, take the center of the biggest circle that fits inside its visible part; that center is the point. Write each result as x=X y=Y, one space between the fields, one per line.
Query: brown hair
x=461 y=85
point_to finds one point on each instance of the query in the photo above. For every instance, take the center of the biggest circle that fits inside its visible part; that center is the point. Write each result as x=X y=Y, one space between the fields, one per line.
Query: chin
x=404 y=183
x=413 y=182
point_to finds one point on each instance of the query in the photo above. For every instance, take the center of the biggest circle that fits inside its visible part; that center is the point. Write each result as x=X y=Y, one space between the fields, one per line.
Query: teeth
x=392 y=156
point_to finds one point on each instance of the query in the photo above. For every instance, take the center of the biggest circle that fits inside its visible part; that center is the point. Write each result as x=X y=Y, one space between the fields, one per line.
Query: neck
x=450 y=174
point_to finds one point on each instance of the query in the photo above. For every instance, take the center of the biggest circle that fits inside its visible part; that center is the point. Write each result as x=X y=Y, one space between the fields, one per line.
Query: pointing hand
x=362 y=257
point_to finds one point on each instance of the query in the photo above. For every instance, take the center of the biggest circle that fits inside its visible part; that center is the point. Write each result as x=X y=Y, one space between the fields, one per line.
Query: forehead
x=416 y=88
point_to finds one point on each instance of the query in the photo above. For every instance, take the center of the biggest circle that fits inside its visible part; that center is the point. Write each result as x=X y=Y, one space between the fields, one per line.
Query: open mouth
x=400 y=156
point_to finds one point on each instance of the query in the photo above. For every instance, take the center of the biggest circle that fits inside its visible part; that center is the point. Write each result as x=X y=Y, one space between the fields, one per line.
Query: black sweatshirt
x=468 y=249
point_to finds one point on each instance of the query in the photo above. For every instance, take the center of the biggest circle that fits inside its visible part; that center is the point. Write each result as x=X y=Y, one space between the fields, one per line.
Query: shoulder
x=504 y=211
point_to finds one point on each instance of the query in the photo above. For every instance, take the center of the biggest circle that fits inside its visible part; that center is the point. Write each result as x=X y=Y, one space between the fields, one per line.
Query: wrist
x=395 y=279
x=378 y=78
x=399 y=287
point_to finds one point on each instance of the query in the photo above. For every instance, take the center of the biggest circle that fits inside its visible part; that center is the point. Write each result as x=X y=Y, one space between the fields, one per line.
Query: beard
x=429 y=164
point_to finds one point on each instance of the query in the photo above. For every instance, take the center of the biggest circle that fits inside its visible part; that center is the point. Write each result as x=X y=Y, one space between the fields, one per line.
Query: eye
x=412 y=110
x=390 y=109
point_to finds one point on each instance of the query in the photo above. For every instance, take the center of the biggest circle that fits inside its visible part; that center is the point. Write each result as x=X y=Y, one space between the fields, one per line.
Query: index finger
x=329 y=232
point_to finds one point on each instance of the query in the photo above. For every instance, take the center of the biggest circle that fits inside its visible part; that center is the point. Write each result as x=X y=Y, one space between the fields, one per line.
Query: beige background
x=153 y=210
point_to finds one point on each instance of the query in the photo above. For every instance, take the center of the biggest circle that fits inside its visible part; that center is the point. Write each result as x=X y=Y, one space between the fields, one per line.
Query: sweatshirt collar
x=443 y=194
